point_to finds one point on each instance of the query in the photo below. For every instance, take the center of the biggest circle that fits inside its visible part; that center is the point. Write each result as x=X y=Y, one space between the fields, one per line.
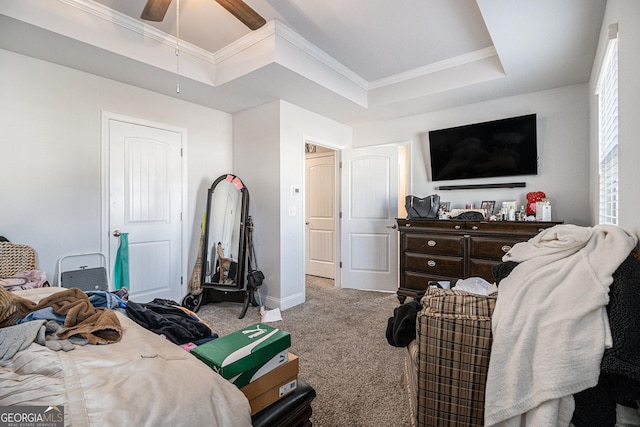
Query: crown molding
x=141 y=28
x=436 y=67
x=244 y=42
x=278 y=29
x=319 y=55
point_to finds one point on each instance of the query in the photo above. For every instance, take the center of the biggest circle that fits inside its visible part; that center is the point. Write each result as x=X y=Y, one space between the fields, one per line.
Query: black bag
x=254 y=278
x=426 y=207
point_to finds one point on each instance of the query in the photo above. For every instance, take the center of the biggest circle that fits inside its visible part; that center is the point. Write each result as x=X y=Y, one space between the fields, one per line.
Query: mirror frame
x=242 y=250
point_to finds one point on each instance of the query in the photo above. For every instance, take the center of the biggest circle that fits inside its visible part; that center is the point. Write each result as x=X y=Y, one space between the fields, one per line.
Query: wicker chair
x=15 y=258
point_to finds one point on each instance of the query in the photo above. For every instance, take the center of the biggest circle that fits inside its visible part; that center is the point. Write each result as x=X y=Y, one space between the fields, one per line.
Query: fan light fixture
x=155 y=10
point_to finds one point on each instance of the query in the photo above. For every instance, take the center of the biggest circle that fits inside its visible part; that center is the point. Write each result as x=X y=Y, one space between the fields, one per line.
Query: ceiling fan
x=155 y=10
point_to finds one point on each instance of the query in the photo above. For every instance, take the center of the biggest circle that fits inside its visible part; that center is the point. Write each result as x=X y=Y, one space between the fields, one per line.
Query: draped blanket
x=550 y=326
x=97 y=325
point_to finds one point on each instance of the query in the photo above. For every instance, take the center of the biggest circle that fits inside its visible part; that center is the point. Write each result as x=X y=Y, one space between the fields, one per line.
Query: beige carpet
x=339 y=336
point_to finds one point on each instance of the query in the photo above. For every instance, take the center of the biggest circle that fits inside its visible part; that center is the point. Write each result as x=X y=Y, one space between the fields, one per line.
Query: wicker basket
x=15 y=258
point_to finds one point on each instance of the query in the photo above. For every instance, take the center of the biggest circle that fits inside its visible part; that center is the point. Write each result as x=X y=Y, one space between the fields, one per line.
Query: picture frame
x=488 y=206
x=445 y=206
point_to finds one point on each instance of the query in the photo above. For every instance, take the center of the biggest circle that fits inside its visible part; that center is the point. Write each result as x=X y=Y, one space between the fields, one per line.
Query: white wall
x=269 y=157
x=627 y=14
x=50 y=146
x=563 y=141
x=256 y=157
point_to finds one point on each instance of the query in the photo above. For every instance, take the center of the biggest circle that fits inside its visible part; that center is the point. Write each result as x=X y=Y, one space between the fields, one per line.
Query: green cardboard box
x=243 y=350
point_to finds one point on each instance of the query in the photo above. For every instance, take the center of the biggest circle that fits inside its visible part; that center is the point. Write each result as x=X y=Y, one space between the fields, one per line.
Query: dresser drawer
x=513 y=228
x=420 y=281
x=433 y=244
x=432 y=225
x=433 y=264
x=492 y=248
x=482 y=268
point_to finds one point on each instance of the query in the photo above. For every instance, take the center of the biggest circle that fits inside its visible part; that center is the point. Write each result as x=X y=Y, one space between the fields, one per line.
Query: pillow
x=8 y=310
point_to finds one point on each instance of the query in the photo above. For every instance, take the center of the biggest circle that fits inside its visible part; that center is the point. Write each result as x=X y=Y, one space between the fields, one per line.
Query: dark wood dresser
x=432 y=249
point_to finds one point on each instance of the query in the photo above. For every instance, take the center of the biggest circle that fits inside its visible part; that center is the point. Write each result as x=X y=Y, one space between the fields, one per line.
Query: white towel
x=550 y=326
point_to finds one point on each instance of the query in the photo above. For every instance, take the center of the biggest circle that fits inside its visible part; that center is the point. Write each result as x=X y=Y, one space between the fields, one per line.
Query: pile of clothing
x=74 y=317
x=169 y=319
x=59 y=321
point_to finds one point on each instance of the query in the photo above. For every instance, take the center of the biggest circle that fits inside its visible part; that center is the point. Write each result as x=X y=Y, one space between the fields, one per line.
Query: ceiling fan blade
x=244 y=13
x=155 y=10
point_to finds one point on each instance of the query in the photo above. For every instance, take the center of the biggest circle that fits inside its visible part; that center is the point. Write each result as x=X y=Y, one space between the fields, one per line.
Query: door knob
x=116 y=233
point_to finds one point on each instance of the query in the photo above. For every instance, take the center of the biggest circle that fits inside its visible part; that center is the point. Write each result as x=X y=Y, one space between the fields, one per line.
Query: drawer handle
x=457 y=227
x=431 y=263
x=506 y=248
x=432 y=243
x=475 y=227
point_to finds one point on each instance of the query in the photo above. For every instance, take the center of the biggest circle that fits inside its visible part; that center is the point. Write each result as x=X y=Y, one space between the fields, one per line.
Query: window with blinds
x=607 y=91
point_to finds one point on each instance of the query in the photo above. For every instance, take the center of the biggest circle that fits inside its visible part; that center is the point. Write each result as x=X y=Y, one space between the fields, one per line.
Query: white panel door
x=145 y=201
x=320 y=214
x=369 y=209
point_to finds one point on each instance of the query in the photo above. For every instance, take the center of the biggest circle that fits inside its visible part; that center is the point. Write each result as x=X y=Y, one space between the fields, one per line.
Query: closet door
x=145 y=201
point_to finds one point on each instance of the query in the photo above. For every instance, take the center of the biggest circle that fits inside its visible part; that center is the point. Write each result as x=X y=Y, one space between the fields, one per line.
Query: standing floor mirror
x=223 y=246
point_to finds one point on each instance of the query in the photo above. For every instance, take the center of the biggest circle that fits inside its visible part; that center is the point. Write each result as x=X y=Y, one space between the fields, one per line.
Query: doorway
x=320 y=211
x=332 y=244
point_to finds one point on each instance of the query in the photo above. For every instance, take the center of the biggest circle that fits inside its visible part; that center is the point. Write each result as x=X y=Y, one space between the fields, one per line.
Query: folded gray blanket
x=18 y=337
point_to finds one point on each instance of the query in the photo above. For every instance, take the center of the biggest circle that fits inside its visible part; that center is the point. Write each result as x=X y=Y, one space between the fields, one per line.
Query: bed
x=141 y=380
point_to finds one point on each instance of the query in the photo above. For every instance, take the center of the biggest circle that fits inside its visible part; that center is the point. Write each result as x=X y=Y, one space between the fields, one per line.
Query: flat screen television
x=506 y=147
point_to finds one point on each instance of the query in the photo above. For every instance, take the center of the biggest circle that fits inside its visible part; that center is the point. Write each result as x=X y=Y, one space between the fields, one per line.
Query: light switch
x=292 y=210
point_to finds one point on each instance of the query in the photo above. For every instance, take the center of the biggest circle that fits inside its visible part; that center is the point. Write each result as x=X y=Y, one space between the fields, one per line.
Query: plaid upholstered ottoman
x=454 y=344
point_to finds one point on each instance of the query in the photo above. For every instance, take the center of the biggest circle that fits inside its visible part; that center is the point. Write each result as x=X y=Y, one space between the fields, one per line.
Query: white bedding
x=143 y=380
x=550 y=325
